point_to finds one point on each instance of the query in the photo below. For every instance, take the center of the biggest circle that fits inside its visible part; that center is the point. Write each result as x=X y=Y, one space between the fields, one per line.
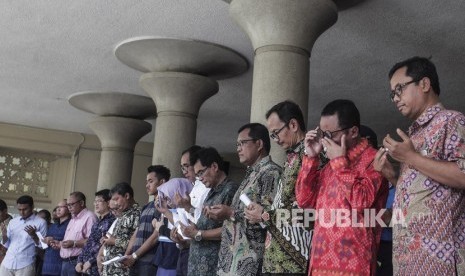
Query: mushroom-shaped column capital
x=296 y=23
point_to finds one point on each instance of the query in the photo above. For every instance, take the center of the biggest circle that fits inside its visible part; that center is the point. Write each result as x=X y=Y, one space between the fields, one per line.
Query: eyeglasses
x=185 y=167
x=99 y=201
x=329 y=134
x=275 y=134
x=200 y=173
x=241 y=143
x=399 y=89
x=72 y=204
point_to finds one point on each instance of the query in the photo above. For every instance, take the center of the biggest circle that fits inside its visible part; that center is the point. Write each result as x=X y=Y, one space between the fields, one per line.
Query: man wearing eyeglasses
x=243 y=243
x=348 y=186
x=87 y=261
x=429 y=192
x=192 y=202
x=77 y=232
x=287 y=246
x=205 y=235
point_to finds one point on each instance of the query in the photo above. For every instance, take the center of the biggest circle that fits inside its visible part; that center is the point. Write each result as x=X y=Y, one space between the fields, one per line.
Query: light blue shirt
x=21 y=247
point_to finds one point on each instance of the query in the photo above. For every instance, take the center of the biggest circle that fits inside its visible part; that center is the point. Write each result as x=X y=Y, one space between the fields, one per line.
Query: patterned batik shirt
x=287 y=246
x=203 y=255
x=348 y=186
x=243 y=244
x=124 y=228
x=432 y=239
x=92 y=246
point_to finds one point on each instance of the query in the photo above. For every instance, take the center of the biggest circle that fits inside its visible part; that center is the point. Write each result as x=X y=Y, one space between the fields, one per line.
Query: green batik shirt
x=243 y=244
x=287 y=249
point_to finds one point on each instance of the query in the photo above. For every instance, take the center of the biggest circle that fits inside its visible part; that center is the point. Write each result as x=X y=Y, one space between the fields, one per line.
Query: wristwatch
x=134 y=255
x=198 y=236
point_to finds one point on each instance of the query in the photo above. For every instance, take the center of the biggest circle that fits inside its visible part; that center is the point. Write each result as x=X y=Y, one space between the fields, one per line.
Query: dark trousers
x=143 y=269
x=385 y=258
x=183 y=261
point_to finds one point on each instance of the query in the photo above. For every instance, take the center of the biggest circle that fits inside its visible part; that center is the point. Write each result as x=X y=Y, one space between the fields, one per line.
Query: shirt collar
x=356 y=151
x=83 y=211
x=32 y=216
x=296 y=148
x=427 y=115
x=256 y=167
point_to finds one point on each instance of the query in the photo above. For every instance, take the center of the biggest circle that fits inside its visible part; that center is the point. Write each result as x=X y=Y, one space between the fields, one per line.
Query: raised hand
x=312 y=142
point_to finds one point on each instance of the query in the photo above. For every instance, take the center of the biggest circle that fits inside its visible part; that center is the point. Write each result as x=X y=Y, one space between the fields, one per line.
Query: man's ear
x=354 y=132
x=293 y=125
x=260 y=144
x=425 y=84
x=214 y=166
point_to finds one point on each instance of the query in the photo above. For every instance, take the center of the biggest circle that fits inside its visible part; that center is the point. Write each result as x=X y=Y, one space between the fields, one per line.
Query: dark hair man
x=429 y=192
x=144 y=242
x=242 y=243
x=288 y=249
x=87 y=260
x=346 y=186
x=21 y=240
x=206 y=233
x=115 y=244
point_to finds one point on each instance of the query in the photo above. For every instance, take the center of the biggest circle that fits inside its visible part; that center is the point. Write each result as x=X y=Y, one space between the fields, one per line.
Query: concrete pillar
x=282 y=33
x=119 y=127
x=118 y=137
x=180 y=75
x=178 y=97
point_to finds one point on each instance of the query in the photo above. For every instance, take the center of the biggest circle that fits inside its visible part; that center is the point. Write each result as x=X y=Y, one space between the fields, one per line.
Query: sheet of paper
x=115 y=259
x=42 y=244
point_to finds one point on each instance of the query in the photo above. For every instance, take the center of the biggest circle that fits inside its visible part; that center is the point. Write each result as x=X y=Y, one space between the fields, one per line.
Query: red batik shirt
x=348 y=183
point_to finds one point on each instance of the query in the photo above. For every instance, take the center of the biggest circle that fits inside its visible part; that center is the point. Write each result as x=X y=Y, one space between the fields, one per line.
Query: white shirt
x=198 y=194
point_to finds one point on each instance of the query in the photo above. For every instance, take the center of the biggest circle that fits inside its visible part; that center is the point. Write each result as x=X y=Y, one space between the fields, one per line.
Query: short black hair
x=191 y=150
x=25 y=199
x=3 y=205
x=258 y=132
x=208 y=156
x=417 y=69
x=346 y=111
x=161 y=172
x=105 y=194
x=79 y=196
x=122 y=188
x=47 y=215
x=287 y=111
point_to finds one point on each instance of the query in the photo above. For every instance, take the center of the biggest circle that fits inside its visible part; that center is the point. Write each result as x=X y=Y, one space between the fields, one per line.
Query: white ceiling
x=51 y=49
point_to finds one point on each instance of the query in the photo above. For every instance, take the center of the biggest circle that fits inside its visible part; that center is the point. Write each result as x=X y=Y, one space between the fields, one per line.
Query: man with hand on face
x=242 y=243
x=429 y=199
x=346 y=186
x=20 y=238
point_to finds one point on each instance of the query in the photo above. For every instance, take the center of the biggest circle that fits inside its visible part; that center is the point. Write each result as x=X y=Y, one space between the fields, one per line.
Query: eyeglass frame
x=329 y=134
x=201 y=172
x=275 y=134
x=399 y=89
x=72 y=204
x=241 y=143
x=185 y=167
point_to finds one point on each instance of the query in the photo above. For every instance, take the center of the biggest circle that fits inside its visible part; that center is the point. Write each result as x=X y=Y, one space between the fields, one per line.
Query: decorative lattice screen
x=24 y=172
